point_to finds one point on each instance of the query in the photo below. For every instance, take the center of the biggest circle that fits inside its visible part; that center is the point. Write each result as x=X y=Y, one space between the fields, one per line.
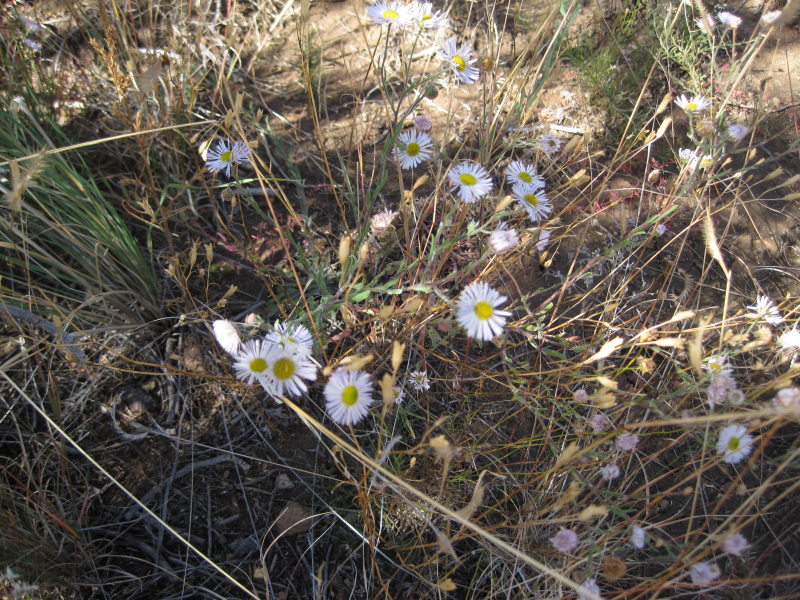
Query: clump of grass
x=66 y=244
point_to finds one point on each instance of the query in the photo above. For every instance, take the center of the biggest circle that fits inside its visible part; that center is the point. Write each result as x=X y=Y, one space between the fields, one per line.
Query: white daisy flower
x=413 y=147
x=427 y=17
x=695 y=104
x=398 y=394
x=460 y=60
x=729 y=19
x=736 y=132
x=387 y=13
x=477 y=312
x=419 y=380
x=765 y=308
x=533 y=200
x=502 y=239
x=735 y=544
x=227 y=335
x=705 y=162
x=225 y=155
x=348 y=396
x=286 y=371
x=252 y=362
x=471 y=179
x=694 y=160
x=689 y=157
x=703 y=573
x=734 y=443
x=718 y=365
x=661 y=229
x=520 y=172
x=549 y=143
x=293 y=337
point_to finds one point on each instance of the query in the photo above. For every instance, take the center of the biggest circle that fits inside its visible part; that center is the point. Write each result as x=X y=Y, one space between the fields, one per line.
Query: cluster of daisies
x=472 y=182
x=708 y=23
x=469 y=179
x=412 y=15
x=733 y=445
x=696 y=106
x=722 y=388
x=281 y=363
x=734 y=543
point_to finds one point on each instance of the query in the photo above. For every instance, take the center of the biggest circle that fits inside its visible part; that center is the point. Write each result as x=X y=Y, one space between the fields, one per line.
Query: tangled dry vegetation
x=628 y=429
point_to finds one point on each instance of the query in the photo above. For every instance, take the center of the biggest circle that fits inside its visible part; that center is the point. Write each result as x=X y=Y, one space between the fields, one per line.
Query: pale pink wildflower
x=599 y=422
x=787 y=400
x=588 y=587
x=580 y=395
x=728 y=18
x=565 y=541
x=735 y=544
x=544 y=240
x=706 y=23
x=423 y=123
x=638 y=537
x=610 y=472
x=722 y=384
x=502 y=240
x=627 y=442
x=703 y=573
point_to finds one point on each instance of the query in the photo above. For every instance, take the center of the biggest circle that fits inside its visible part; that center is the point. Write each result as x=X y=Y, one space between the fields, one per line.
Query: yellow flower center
x=390 y=14
x=226 y=156
x=459 y=63
x=525 y=176
x=283 y=368
x=412 y=149
x=258 y=365
x=691 y=106
x=483 y=310
x=532 y=199
x=350 y=395
x=426 y=17
x=467 y=179
x=733 y=443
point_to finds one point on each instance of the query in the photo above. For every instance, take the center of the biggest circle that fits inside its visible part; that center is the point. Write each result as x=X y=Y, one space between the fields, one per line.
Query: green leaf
x=554 y=353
